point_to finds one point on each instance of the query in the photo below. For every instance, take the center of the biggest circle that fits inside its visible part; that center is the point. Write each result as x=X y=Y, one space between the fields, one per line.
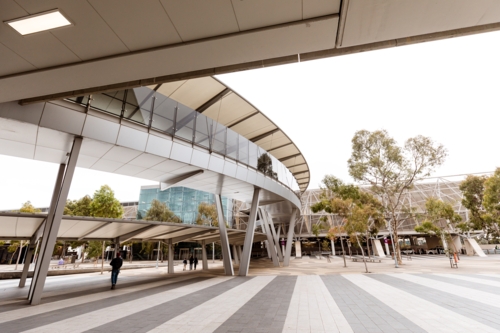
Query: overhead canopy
x=23 y=226
x=216 y=100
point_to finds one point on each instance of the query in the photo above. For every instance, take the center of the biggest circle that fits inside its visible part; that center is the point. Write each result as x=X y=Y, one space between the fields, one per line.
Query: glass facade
x=182 y=201
x=149 y=108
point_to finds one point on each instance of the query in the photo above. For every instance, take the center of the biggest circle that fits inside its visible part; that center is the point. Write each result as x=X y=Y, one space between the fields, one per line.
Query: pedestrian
x=195 y=262
x=185 y=262
x=191 y=262
x=116 y=263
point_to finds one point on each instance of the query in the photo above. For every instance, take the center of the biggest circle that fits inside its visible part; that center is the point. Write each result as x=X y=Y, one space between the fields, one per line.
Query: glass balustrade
x=149 y=108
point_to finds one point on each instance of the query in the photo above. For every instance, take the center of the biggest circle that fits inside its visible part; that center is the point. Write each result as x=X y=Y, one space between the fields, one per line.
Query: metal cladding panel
x=28 y=113
x=381 y=20
x=54 y=139
x=260 y=13
x=8 y=226
x=146 y=160
x=50 y=155
x=100 y=129
x=159 y=146
x=121 y=154
x=14 y=130
x=62 y=119
x=129 y=170
x=132 y=138
x=94 y=148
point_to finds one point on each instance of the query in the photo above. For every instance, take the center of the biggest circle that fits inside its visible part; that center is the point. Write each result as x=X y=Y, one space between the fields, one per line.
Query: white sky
x=447 y=90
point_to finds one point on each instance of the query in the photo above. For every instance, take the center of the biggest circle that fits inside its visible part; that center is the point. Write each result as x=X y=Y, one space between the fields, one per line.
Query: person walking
x=116 y=263
x=191 y=262
x=185 y=262
x=195 y=262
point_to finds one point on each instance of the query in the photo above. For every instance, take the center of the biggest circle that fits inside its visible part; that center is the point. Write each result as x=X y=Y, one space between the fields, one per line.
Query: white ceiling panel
x=380 y=20
x=146 y=160
x=62 y=119
x=132 y=138
x=260 y=13
x=106 y=165
x=196 y=92
x=121 y=154
x=28 y=113
x=168 y=166
x=90 y=37
x=150 y=174
x=139 y=24
x=16 y=63
x=50 y=155
x=54 y=139
x=168 y=88
x=18 y=131
x=100 y=129
x=233 y=108
x=200 y=19
x=27 y=225
x=315 y=8
x=85 y=161
x=95 y=148
x=159 y=146
x=129 y=170
x=16 y=149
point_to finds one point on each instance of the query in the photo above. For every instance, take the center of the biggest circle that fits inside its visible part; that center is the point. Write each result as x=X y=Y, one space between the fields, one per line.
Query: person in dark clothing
x=116 y=263
x=191 y=262
x=195 y=262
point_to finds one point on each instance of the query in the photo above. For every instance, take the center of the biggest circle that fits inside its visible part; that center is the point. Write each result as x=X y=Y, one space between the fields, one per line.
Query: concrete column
x=238 y=249
x=235 y=256
x=387 y=251
x=267 y=249
x=204 y=255
x=291 y=228
x=271 y=249
x=27 y=261
x=50 y=216
x=333 y=247
x=275 y=237
x=377 y=248
x=224 y=241
x=298 y=249
x=171 y=256
x=52 y=226
x=247 y=247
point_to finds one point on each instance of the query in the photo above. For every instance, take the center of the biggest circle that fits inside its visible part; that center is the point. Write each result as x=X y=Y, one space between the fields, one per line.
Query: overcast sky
x=447 y=90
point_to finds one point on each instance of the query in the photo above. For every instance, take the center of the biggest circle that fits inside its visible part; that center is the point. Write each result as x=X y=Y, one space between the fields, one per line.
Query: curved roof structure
x=215 y=100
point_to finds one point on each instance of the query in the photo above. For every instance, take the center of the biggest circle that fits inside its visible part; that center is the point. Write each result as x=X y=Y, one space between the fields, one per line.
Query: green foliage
x=325 y=245
x=440 y=218
x=160 y=212
x=27 y=207
x=376 y=159
x=79 y=207
x=94 y=249
x=265 y=165
x=207 y=215
x=104 y=204
x=316 y=229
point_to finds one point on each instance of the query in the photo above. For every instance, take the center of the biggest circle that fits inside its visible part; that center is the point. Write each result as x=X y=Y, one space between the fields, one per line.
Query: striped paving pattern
x=307 y=303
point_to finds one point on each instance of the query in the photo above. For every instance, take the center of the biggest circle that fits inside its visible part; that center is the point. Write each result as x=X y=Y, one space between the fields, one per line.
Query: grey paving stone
x=462 y=283
x=261 y=312
x=358 y=307
x=72 y=311
x=472 y=309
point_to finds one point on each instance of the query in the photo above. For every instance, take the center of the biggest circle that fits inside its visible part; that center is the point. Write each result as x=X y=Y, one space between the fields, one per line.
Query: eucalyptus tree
x=207 y=215
x=359 y=210
x=391 y=170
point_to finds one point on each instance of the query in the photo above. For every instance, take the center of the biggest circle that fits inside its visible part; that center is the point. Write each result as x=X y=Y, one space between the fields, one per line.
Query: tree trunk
x=343 y=252
x=363 y=253
x=396 y=244
x=368 y=245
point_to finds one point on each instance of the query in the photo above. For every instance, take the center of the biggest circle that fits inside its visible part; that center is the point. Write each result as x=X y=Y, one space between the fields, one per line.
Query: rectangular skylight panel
x=39 y=22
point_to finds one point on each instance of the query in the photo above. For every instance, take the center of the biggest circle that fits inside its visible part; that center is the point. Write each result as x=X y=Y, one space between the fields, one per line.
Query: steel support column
x=204 y=255
x=289 y=240
x=247 y=247
x=52 y=225
x=27 y=262
x=238 y=249
x=224 y=241
x=275 y=236
x=235 y=256
x=50 y=216
x=170 y=256
x=271 y=249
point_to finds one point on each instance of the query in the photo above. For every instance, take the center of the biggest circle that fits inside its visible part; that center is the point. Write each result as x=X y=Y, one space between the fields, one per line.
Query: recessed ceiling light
x=39 y=22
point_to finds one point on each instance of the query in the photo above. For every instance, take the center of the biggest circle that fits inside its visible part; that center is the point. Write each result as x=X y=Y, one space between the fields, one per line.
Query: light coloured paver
x=429 y=316
x=94 y=319
x=208 y=316
x=471 y=279
x=313 y=309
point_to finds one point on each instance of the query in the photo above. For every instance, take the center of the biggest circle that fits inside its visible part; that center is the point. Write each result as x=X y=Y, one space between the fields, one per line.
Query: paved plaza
x=310 y=296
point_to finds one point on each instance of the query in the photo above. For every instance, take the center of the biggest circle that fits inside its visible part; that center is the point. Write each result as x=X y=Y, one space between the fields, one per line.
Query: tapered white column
x=247 y=245
x=224 y=240
x=235 y=256
x=170 y=256
x=275 y=236
x=52 y=225
x=271 y=249
x=288 y=249
x=204 y=255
